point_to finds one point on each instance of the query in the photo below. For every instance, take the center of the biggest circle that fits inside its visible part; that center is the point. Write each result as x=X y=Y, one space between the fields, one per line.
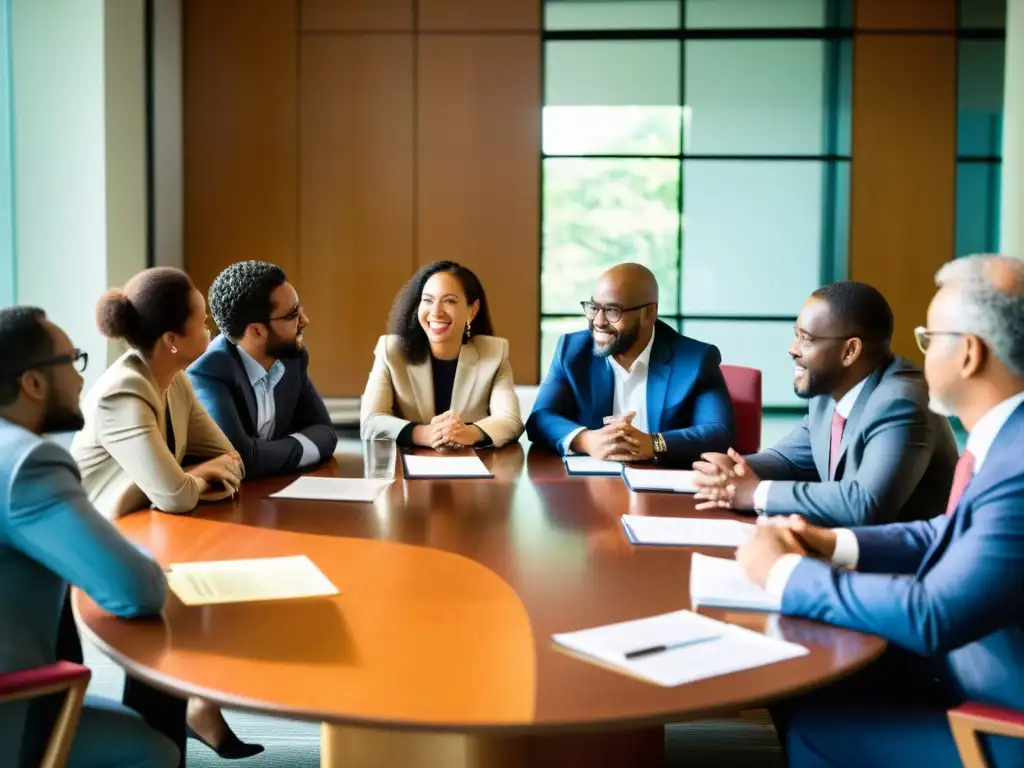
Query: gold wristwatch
x=660 y=446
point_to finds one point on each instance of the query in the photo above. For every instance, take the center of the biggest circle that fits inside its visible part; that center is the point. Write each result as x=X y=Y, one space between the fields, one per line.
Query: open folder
x=679 y=647
x=659 y=480
x=718 y=582
x=685 y=531
x=239 y=581
x=443 y=467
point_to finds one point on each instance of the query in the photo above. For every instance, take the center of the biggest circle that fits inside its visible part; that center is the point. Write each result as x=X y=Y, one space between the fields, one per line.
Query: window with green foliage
x=709 y=141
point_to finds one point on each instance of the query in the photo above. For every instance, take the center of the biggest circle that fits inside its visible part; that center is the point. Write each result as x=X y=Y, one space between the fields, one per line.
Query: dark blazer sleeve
x=897 y=452
x=973 y=589
x=311 y=419
x=550 y=420
x=260 y=457
x=789 y=459
x=714 y=422
x=51 y=520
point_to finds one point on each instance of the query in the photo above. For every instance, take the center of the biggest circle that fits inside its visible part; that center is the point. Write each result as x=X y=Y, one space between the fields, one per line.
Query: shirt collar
x=984 y=433
x=845 y=405
x=644 y=359
x=256 y=372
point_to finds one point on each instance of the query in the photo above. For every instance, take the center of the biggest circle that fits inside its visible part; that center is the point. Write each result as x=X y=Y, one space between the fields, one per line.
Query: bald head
x=629 y=284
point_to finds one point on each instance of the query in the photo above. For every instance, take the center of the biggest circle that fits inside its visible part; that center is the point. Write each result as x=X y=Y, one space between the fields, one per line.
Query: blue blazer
x=50 y=536
x=948 y=588
x=223 y=387
x=687 y=400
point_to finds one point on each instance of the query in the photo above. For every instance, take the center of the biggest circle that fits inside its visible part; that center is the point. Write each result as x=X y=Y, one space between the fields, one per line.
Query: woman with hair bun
x=143 y=421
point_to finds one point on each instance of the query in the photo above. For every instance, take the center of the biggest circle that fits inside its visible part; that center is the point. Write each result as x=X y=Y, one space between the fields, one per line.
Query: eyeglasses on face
x=76 y=357
x=290 y=317
x=611 y=314
x=923 y=336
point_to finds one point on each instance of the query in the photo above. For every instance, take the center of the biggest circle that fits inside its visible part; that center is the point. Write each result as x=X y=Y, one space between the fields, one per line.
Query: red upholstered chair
x=968 y=720
x=745 y=389
x=42 y=681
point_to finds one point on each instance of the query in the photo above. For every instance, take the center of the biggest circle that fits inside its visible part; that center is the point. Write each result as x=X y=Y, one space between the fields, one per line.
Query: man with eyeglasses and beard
x=869 y=451
x=254 y=380
x=631 y=388
x=50 y=537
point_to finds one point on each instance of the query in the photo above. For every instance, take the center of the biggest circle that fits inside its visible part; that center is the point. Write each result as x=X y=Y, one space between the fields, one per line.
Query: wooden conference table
x=438 y=651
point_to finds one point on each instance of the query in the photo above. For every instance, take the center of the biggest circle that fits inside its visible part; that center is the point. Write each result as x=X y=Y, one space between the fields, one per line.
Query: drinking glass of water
x=379 y=457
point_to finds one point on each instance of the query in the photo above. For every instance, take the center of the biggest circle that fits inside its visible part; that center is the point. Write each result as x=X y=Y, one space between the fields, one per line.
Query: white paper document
x=444 y=466
x=667 y=480
x=719 y=582
x=588 y=465
x=696 y=647
x=239 y=581
x=332 y=489
x=686 y=531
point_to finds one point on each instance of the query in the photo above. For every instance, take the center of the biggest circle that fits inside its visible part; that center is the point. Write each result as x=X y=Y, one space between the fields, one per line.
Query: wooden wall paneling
x=356 y=15
x=903 y=180
x=356 y=197
x=905 y=14
x=240 y=134
x=479 y=15
x=478 y=163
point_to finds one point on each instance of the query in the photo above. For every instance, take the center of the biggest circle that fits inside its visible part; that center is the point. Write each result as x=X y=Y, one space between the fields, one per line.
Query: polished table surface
x=450 y=591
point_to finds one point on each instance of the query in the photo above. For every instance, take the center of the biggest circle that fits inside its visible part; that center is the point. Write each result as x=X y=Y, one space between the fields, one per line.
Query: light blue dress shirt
x=263 y=383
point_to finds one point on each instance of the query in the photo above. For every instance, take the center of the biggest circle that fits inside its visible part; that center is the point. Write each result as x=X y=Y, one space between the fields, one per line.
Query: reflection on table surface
x=450 y=591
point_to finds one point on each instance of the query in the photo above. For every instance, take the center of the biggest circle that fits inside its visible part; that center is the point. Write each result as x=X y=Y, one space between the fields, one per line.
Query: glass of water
x=379 y=457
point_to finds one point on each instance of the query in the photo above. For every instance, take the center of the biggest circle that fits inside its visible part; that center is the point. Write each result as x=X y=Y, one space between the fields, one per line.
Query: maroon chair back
x=745 y=390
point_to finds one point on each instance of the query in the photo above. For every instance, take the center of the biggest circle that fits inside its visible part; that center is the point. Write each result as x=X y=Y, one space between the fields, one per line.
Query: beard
x=623 y=340
x=279 y=347
x=817 y=384
x=60 y=417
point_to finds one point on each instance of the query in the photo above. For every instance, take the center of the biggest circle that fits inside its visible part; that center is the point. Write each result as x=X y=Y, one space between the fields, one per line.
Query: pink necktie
x=961 y=477
x=838 y=425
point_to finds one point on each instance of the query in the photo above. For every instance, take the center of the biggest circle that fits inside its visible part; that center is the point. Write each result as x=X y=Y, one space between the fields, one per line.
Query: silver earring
x=469 y=328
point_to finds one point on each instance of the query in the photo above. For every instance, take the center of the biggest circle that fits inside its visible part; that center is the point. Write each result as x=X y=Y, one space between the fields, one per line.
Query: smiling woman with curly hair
x=441 y=378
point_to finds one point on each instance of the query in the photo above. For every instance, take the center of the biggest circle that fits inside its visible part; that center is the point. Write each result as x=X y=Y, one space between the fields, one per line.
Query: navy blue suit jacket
x=687 y=400
x=948 y=588
x=223 y=387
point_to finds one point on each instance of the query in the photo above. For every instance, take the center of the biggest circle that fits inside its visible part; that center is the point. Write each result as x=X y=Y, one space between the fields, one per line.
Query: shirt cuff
x=847 y=551
x=778 y=576
x=761 y=495
x=310 y=453
x=404 y=439
x=567 y=440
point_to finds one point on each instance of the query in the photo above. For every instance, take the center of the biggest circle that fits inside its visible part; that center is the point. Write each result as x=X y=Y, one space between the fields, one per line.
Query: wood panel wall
x=903 y=175
x=352 y=142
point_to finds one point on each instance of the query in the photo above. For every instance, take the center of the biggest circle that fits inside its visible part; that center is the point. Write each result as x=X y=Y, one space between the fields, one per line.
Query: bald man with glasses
x=630 y=388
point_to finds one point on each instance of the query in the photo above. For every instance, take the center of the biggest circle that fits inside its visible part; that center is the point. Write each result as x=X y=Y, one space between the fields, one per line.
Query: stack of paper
x=332 y=489
x=686 y=531
x=237 y=581
x=588 y=465
x=722 y=583
x=665 y=480
x=446 y=467
x=688 y=647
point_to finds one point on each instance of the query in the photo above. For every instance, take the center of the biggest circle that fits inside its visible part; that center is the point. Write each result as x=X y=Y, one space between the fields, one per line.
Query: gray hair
x=989 y=307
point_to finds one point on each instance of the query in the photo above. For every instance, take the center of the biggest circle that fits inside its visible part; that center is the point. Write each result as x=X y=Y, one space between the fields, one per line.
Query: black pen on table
x=650 y=651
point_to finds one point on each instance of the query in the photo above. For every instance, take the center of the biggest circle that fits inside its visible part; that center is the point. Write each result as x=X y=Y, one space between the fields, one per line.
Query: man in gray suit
x=869 y=451
x=50 y=536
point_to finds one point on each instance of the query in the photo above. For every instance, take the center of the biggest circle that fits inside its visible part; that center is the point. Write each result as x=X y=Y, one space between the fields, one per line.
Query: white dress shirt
x=629 y=393
x=263 y=383
x=847 y=551
x=844 y=408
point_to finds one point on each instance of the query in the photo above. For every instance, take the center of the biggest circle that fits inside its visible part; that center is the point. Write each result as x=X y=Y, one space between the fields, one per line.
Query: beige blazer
x=483 y=394
x=122 y=450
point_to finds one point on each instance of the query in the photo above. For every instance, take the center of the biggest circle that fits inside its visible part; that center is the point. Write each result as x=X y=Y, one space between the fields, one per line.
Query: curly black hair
x=860 y=310
x=404 y=322
x=241 y=295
